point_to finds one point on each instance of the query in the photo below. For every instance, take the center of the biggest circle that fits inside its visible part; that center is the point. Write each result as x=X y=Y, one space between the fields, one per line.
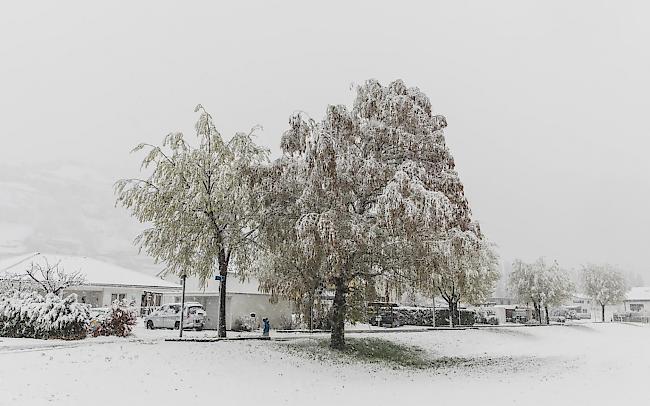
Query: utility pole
x=433 y=309
x=180 y=327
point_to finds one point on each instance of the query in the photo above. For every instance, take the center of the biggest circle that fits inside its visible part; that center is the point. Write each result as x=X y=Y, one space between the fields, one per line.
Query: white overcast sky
x=547 y=105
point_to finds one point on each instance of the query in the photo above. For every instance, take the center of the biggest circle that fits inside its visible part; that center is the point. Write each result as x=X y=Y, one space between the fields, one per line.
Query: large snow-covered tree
x=378 y=177
x=202 y=202
x=604 y=284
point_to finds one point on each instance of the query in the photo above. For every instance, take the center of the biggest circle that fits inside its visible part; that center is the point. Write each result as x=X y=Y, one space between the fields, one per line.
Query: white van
x=169 y=316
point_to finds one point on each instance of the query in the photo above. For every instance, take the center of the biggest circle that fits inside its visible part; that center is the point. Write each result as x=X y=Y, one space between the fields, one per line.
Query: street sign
x=218 y=278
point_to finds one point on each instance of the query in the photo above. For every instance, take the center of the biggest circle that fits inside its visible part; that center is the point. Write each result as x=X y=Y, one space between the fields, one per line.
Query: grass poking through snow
x=372 y=350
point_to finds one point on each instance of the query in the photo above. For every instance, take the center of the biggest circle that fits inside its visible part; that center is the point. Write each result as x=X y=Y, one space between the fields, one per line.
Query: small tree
x=558 y=288
x=541 y=284
x=202 y=202
x=527 y=283
x=52 y=278
x=604 y=284
x=466 y=270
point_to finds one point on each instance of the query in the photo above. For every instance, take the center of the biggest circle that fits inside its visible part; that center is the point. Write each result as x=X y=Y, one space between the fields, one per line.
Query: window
x=117 y=296
x=636 y=307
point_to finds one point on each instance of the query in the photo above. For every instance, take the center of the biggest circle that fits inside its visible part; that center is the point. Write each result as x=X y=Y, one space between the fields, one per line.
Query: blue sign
x=218 y=278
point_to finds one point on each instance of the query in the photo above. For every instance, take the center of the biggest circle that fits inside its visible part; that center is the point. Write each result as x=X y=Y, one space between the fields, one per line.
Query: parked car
x=382 y=314
x=557 y=319
x=385 y=320
x=169 y=316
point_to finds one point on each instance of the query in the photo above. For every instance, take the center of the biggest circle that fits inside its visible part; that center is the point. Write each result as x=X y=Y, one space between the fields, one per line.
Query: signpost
x=180 y=327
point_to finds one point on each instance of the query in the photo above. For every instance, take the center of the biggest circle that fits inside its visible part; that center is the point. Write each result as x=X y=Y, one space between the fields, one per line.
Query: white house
x=104 y=282
x=582 y=305
x=637 y=300
x=243 y=299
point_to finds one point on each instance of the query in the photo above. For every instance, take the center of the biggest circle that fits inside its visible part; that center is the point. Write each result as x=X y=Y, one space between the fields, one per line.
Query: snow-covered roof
x=639 y=293
x=96 y=273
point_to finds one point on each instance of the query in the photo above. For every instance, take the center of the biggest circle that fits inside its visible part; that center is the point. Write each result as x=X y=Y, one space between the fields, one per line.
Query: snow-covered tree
x=558 y=288
x=40 y=276
x=202 y=202
x=540 y=283
x=378 y=178
x=466 y=269
x=604 y=284
x=52 y=278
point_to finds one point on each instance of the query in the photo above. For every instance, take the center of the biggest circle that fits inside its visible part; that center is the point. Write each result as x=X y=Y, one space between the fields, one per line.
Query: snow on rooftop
x=95 y=272
x=639 y=293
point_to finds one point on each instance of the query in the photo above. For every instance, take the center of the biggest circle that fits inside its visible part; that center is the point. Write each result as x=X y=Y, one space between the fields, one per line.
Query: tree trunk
x=603 y=311
x=450 y=305
x=309 y=311
x=337 y=338
x=548 y=320
x=223 y=272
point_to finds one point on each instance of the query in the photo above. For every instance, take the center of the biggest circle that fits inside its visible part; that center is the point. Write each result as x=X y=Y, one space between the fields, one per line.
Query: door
x=157 y=317
x=172 y=316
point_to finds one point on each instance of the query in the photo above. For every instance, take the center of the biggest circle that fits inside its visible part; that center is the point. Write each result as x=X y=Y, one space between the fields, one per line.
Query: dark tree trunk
x=548 y=320
x=450 y=304
x=223 y=272
x=337 y=339
x=309 y=311
x=538 y=312
x=603 y=311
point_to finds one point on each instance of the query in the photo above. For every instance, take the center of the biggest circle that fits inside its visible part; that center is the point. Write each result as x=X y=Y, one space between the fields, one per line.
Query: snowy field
x=596 y=364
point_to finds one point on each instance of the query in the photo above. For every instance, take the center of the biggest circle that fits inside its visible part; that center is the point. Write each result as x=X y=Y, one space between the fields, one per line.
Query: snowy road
x=558 y=365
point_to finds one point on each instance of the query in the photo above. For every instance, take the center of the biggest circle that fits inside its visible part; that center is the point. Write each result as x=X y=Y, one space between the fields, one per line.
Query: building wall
x=102 y=296
x=642 y=306
x=242 y=305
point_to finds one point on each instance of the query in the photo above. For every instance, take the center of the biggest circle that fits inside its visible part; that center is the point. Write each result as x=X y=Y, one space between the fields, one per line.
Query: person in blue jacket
x=266 y=327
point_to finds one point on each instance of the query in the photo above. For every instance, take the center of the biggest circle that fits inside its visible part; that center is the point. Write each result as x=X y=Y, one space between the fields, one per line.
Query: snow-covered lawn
x=595 y=364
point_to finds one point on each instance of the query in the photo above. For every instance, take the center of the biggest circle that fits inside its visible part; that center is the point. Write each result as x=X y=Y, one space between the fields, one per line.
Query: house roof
x=638 y=293
x=96 y=273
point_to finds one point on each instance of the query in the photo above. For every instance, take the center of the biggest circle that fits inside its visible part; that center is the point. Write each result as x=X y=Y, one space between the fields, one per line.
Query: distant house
x=244 y=301
x=494 y=301
x=104 y=282
x=637 y=300
x=582 y=305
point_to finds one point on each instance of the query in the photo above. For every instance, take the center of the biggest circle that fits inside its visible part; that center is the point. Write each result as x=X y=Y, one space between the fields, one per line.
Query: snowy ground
x=598 y=364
